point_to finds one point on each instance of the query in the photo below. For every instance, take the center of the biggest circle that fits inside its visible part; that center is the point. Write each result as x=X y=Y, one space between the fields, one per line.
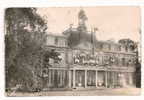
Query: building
x=87 y=62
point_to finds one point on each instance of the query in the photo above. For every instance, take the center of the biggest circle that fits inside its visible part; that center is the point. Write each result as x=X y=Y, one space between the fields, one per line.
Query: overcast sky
x=113 y=22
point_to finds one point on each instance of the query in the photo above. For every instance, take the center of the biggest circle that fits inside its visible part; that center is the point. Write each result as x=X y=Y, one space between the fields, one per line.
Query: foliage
x=24 y=38
x=53 y=55
x=128 y=43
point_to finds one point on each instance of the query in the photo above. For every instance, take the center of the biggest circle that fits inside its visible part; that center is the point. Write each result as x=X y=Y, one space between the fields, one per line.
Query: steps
x=88 y=88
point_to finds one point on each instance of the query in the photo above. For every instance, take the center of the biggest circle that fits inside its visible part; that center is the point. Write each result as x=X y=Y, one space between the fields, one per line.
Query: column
x=113 y=78
x=85 y=78
x=52 y=77
x=49 y=78
x=130 y=78
x=62 y=77
x=69 y=78
x=73 y=78
x=58 y=74
x=96 y=78
x=106 y=79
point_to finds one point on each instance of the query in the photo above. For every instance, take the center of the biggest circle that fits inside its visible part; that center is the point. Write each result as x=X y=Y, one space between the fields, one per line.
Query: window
x=65 y=43
x=56 y=40
x=123 y=61
x=109 y=47
x=129 y=61
x=119 y=48
x=101 y=46
x=126 y=48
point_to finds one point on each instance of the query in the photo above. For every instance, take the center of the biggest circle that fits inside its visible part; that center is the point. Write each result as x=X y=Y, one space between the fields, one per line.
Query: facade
x=87 y=62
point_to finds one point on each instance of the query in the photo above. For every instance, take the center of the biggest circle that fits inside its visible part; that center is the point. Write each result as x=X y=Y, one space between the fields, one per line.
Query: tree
x=52 y=54
x=24 y=38
x=128 y=44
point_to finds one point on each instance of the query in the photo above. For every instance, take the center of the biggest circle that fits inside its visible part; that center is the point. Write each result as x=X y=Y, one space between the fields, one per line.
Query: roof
x=56 y=35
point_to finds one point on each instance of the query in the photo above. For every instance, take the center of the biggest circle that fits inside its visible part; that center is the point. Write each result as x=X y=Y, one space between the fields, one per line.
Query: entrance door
x=80 y=78
x=91 y=78
x=101 y=78
x=123 y=79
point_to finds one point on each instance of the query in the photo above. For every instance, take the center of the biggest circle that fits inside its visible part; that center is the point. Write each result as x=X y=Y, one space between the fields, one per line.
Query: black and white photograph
x=73 y=51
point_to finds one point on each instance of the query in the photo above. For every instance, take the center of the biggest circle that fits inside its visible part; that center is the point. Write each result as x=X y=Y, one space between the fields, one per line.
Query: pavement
x=96 y=92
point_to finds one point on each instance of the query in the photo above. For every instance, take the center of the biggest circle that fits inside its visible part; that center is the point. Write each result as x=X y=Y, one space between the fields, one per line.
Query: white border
x=63 y=3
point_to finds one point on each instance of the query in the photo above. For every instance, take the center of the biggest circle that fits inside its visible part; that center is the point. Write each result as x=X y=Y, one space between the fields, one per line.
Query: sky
x=113 y=22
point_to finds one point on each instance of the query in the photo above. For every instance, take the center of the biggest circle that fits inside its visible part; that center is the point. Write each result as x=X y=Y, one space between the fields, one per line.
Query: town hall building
x=87 y=62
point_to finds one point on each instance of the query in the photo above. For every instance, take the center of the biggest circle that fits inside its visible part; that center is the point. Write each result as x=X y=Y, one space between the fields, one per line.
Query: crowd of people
x=94 y=60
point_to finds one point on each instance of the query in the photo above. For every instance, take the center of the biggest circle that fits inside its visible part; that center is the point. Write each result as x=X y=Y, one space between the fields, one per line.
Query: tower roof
x=82 y=15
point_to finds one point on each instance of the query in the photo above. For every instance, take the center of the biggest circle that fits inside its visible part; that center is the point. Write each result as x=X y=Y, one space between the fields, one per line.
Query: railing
x=102 y=63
